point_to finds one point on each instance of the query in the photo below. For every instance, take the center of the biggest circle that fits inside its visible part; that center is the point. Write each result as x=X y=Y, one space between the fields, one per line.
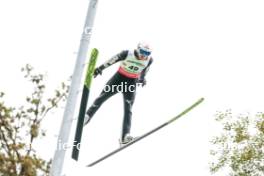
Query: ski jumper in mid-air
x=132 y=71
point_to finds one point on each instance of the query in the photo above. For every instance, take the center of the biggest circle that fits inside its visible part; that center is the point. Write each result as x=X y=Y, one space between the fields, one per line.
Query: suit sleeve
x=145 y=70
x=118 y=57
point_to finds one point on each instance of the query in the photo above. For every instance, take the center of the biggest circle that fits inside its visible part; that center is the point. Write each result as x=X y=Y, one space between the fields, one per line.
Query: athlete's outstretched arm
x=118 y=57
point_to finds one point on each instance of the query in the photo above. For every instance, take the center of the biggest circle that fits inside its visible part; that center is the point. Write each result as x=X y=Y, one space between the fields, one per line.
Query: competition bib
x=131 y=66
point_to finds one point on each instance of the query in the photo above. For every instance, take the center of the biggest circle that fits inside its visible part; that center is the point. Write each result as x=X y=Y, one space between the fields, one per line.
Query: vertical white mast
x=58 y=159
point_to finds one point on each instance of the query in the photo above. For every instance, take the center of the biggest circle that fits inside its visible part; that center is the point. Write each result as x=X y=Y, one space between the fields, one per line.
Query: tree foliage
x=21 y=126
x=239 y=150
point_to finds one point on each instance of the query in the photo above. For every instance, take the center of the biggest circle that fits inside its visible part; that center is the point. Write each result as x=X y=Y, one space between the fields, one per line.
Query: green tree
x=21 y=126
x=239 y=150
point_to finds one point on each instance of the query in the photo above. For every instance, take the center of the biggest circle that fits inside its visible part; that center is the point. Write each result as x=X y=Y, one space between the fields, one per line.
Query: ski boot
x=126 y=140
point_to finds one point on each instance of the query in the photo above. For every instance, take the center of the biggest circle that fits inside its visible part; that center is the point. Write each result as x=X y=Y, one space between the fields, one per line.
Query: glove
x=143 y=82
x=97 y=71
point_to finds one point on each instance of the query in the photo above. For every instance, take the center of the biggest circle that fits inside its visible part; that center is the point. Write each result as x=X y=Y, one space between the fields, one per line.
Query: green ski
x=148 y=133
x=84 y=100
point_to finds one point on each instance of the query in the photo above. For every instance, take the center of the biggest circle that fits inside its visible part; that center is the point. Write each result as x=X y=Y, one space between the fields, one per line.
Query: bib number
x=134 y=68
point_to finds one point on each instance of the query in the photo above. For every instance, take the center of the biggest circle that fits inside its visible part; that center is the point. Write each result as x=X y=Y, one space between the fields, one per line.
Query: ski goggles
x=144 y=52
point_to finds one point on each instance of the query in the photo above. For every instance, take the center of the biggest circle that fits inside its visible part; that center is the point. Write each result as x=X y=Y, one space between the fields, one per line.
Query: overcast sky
x=207 y=48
